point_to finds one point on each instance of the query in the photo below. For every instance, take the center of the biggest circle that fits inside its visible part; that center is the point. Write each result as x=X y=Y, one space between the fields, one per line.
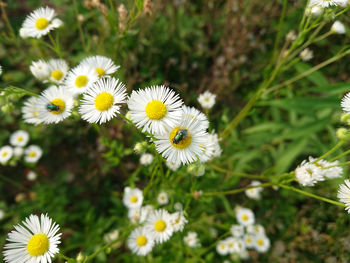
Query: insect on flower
x=180 y=135
x=52 y=107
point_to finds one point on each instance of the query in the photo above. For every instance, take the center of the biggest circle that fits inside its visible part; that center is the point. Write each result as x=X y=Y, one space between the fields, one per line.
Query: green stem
x=6 y=20
x=214 y=167
x=339 y=164
x=236 y=191
x=88 y=258
x=14 y=183
x=279 y=30
x=339 y=156
x=63 y=256
x=312 y=195
x=80 y=29
x=151 y=181
x=55 y=46
x=330 y=151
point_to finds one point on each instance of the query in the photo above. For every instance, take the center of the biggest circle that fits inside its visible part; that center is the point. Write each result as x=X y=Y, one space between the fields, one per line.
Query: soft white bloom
x=146 y=159
x=40 y=69
x=194 y=113
x=58 y=69
x=214 y=139
x=234 y=245
x=30 y=111
x=244 y=254
x=178 y=221
x=178 y=206
x=32 y=154
x=102 y=65
x=307 y=174
x=261 y=243
x=145 y=211
x=0 y=70
x=173 y=165
x=162 y=198
x=307 y=54
x=338 y=27
x=133 y=197
x=79 y=79
x=155 y=108
x=245 y=216
x=18 y=151
x=134 y=215
x=222 y=248
x=291 y=36
x=345 y=103
x=19 y=138
x=254 y=193
x=39 y=23
x=140 y=241
x=111 y=236
x=191 y=239
x=324 y=3
x=343 y=3
x=249 y=240
x=54 y=104
x=31 y=176
x=207 y=100
x=344 y=194
x=158 y=224
x=35 y=241
x=102 y=100
x=6 y=153
x=237 y=230
x=255 y=229
x=140 y=147
x=313 y=11
x=328 y=170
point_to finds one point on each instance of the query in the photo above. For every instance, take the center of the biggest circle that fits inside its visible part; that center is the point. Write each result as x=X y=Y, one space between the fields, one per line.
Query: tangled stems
x=217 y=168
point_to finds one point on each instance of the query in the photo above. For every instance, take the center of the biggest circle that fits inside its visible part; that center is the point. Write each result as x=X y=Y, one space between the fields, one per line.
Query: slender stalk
x=236 y=191
x=339 y=164
x=214 y=167
x=80 y=29
x=63 y=256
x=88 y=258
x=279 y=30
x=330 y=151
x=55 y=46
x=6 y=20
x=148 y=186
x=339 y=156
x=312 y=195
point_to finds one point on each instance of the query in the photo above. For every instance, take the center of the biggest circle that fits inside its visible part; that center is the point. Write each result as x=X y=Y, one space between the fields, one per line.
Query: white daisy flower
x=245 y=216
x=222 y=248
x=132 y=197
x=140 y=241
x=32 y=154
x=146 y=159
x=261 y=243
x=182 y=142
x=162 y=198
x=155 y=108
x=30 y=111
x=343 y=3
x=145 y=211
x=134 y=215
x=255 y=229
x=244 y=254
x=19 y=138
x=209 y=149
x=35 y=241
x=313 y=11
x=306 y=55
x=231 y=245
x=207 y=100
x=214 y=139
x=178 y=221
x=343 y=194
x=18 y=151
x=102 y=100
x=324 y=3
x=6 y=153
x=194 y=113
x=79 y=79
x=249 y=240
x=191 y=239
x=55 y=104
x=158 y=224
x=331 y=172
x=237 y=230
x=40 y=69
x=111 y=236
x=345 y=103
x=31 y=176
x=254 y=193
x=58 y=69
x=39 y=23
x=291 y=36
x=173 y=165
x=102 y=65
x=307 y=174
x=338 y=27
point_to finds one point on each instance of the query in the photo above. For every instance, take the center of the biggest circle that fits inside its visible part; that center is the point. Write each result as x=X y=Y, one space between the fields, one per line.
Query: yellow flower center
x=156 y=110
x=41 y=23
x=81 y=81
x=222 y=246
x=245 y=217
x=133 y=199
x=61 y=106
x=57 y=74
x=230 y=245
x=160 y=225
x=38 y=245
x=260 y=242
x=141 y=241
x=104 y=101
x=20 y=139
x=4 y=154
x=180 y=142
x=249 y=240
x=32 y=154
x=100 y=72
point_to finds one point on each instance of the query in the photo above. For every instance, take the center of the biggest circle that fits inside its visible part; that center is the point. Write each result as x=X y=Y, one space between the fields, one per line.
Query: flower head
x=140 y=241
x=32 y=154
x=132 y=197
x=30 y=111
x=6 y=153
x=207 y=100
x=158 y=224
x=307 y=174
x=344 y=194
x=102 y=65
x=19 y=138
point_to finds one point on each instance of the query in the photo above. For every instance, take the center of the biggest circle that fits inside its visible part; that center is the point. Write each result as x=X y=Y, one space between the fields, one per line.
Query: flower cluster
x=308 y=173
x=12 y=154
x=157 y=226
x=244 y=235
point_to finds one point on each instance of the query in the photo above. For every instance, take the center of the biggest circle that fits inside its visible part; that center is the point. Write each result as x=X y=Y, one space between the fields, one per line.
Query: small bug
x=180 y=135
x=52 y=107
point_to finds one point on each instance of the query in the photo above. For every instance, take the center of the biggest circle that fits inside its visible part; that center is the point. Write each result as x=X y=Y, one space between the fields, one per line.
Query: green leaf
x=268 y=126
x=316 y=77
x=333 y=89
x=18 y=92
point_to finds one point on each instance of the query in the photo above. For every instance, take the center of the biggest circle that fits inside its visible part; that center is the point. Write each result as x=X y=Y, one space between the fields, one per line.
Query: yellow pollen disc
x=81 y=81
x=249 y=240
x=160 y=226
x=38 y=245
x=222 y=246
x=57 y=74
x=4 y=154
x=206 y=99
x=141 y=241
x=183 y=143
x=20 y=139
x=104 y=101
x=60 y=103
x=230 y=245
x=41 y=23
x=35 y=113
x=100 y=72
x=32 y=154
x=245 y=218
x=260 y=242
x=133 y=199
x=156 y=110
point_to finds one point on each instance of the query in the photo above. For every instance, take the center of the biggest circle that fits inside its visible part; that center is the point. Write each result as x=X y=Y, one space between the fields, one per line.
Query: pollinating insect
x=52 y=107
x=180 y=135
